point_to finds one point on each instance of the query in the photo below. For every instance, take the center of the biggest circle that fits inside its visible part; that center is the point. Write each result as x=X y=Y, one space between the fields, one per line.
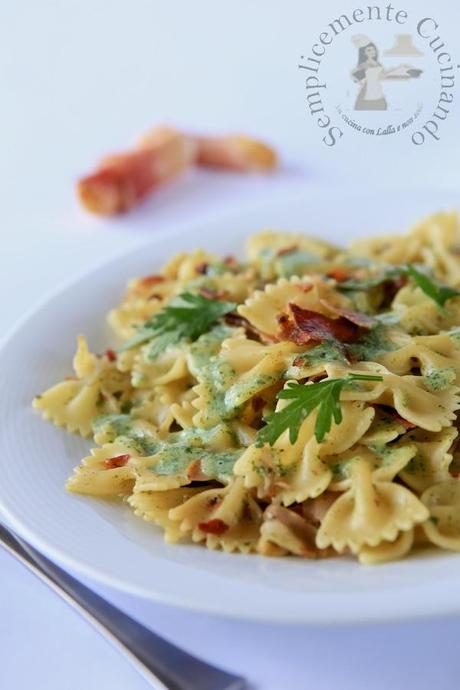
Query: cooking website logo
x=391 y=79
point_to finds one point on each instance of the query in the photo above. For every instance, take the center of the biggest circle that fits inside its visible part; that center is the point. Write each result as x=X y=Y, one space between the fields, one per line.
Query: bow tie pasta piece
x=175 y=392
x=144 y=298
x=359 y=390
x=170 y=365
x=107 y=472
x=386 y=427
x=163 y=405
x=430 y=464
x=201 y=364
x=357 y=418
x=443 y=526
x=154 y=506
x=295 y=472
x=167 y=407
x=231 y=287
x=137 y=435
x=226 y=518
x=184 y=266
x=369 y=513
x=428 y=242
x=437 y=356
x=418 y=314
x=182 y=409
x=151 y=406
x=306 y=478
x=243 y=370
x=214 y=375
x=428 y=409
x=266 y=470
x=385 y=462
x=274 y=240
x=244 y=355
x=98 y=388
x=267 y=370
x=442 y=231
x=387 y=550
x=437 y=238
x=276 y=254
x=226 y=277
x=263 y=307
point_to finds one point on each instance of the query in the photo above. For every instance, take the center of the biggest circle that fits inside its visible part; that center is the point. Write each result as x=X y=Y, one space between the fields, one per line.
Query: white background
x=79 y=79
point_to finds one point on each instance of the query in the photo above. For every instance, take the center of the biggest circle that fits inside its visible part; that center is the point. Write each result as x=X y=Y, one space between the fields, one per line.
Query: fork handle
x=164 y=665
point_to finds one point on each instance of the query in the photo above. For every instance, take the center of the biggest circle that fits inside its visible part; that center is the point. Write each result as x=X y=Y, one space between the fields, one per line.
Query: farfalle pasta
x=303 y=401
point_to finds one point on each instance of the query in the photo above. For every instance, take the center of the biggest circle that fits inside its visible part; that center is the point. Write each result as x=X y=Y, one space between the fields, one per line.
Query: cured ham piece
x=122 y=180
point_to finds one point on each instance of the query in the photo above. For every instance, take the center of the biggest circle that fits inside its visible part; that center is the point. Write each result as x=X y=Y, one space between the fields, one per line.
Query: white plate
x=104 y=541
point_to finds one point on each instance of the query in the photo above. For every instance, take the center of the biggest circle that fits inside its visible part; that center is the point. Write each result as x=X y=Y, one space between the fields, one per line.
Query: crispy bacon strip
x=230 y=261
x=235 y=152
x=117 y=461
x=213 y=526
x=339 y=274
x=123 y=180
x=195 y=473
x=302 y=326
x=202 y=268
x=147 y=281
x=209 y=293
x=356 y=317
x=111 y=355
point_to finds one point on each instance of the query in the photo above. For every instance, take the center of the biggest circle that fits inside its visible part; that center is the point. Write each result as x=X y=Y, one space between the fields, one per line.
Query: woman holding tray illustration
x=369 y=74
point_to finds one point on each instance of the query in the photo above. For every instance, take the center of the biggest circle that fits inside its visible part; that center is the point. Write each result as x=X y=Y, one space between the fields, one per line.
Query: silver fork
x=164 y=665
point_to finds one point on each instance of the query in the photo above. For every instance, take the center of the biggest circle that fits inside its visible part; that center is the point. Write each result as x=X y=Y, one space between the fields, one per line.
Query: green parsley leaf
x=186 y=317
x=432 y=288
x=324 y=395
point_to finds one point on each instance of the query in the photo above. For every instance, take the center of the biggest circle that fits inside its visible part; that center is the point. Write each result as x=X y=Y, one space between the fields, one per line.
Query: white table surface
x=79 y=78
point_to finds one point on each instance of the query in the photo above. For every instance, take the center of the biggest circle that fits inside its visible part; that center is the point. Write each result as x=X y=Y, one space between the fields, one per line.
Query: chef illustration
x=370 y=73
